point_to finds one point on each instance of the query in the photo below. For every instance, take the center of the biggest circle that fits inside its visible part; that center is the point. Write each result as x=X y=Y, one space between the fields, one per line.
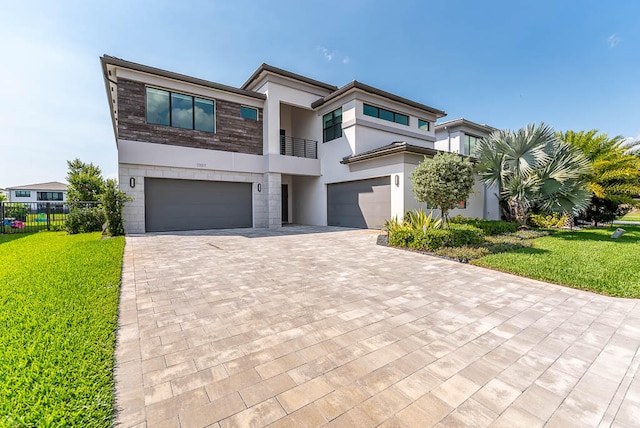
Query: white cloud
x=330 y=55
x=613 y=40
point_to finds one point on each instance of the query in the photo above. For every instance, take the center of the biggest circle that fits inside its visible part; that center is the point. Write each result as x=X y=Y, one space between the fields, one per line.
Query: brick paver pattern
x=305 y=326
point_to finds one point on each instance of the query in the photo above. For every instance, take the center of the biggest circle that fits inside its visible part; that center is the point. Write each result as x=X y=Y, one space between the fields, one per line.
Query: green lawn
x=58 y=300
x=588 y=259
x=631 y=217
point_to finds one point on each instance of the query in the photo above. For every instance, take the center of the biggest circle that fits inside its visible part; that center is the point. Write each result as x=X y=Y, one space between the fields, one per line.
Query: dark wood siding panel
x=233 y=132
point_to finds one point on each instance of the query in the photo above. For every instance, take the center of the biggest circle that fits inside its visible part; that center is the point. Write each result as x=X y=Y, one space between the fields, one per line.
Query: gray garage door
x=364 y=204
x=194 y=205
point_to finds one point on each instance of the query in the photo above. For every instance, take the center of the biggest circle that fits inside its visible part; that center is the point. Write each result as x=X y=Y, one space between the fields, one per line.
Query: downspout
x=448 y=138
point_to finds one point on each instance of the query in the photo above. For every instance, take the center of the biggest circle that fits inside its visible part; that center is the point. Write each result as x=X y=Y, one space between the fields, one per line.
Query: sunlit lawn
x=588 y=259
x=633 y=216
x=58 y=317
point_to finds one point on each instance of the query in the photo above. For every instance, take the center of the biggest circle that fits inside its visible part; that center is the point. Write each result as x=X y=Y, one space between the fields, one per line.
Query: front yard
x=587 y=259
x=59 y=298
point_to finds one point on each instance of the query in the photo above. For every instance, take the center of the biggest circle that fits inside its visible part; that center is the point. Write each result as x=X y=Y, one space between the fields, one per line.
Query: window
x=179 y=110
x=385 y=114
x=203 y=115
x=332 y=125
x=462 y=205
x=23 y=194
x=49 y=196
x=424 y=125
x=249 y=113
x=469 y=143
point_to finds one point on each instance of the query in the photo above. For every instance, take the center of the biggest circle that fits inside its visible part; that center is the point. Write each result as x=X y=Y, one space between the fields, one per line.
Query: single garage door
x=364 y=204
x=195 y=205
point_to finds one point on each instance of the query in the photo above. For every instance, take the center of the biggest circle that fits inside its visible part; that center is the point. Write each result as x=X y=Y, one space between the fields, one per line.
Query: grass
x=586 y=259
x=632 y=216
x=59 y=299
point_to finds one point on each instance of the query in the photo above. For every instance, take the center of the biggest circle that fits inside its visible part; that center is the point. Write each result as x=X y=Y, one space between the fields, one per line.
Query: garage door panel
x=360 y=204
x=194 y=204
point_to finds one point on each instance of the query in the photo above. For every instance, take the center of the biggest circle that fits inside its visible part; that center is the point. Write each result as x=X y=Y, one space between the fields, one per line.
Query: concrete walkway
x=312 y=326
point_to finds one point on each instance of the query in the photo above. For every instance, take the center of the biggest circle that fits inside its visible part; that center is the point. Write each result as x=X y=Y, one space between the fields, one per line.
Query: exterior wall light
x=132 y=182
x=259 y=187
x=397 y=180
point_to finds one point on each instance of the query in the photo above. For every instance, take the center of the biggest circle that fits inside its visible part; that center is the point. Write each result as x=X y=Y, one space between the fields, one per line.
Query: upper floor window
x=469 y=143
x=385 y=114
x=424 y=125
x=49 y=196
x=23 y=194
x=179 y=110
x=332 y=125
x=249 y=113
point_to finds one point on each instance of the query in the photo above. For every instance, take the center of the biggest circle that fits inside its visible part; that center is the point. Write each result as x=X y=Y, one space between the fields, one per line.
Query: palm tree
x=533 y=167
x=615 y=178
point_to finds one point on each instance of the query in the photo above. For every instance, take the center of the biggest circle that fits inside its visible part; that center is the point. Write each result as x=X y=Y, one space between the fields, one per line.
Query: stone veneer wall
x=133 y=212
x=233 y=132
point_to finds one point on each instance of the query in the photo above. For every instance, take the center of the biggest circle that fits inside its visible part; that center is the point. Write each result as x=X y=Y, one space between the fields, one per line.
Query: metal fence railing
x=26 y=217
x=299 y=147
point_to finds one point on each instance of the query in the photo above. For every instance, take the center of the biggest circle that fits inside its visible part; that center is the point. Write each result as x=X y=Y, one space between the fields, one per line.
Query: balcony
x=299 y=147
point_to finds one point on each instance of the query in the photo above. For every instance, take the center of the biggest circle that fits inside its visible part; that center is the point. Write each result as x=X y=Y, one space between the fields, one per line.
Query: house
x=53 y=191
x=282 y=148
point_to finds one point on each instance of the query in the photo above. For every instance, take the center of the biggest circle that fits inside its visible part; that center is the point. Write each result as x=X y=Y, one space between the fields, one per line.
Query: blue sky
x=572 y=64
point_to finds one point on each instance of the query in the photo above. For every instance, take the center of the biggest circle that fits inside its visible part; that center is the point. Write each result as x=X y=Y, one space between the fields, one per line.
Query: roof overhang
x=398 y=147
x=466 y=124
x=265 y=69
x=358 y=86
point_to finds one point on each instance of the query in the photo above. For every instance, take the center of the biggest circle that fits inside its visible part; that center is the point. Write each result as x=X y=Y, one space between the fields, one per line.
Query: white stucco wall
x=33 y=197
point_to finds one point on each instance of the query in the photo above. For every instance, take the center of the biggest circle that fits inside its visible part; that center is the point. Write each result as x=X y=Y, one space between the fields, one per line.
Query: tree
x=615 y=176
x=443 y=181
x=85 y=185
x=531 y=167
x=85 y=182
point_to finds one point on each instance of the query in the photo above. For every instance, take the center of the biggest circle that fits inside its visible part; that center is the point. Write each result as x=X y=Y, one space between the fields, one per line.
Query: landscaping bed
x=59 y=297
x=587 y=258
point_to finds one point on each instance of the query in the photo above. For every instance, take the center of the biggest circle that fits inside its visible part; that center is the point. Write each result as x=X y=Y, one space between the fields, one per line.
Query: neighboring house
x=283 y=148
x=42 y=192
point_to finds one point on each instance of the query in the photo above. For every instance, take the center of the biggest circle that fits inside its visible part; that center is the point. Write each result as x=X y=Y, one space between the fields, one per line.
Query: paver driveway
x=310 y=326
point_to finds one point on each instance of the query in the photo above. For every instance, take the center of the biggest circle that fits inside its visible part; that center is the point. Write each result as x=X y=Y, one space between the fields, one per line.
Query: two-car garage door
x=364 y=204
x=194 y=204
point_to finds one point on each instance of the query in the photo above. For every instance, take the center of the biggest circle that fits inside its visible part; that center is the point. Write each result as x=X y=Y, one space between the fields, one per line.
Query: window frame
x=22 y=193
x=466 y=144
x=386 y=111
x=245 y=108
x=333 y=127
x=193 y=109
x=47 y=194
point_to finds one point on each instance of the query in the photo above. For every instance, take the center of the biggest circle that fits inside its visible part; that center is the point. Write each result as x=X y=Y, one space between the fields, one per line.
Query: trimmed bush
x=456 y=235
x=489 y=227
x=85 y=219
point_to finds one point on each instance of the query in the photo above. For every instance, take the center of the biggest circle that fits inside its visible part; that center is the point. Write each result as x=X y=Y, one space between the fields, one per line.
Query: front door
x=284 y=196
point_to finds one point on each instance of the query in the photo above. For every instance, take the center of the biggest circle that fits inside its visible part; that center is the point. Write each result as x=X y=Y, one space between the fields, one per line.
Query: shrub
x=548 y=221
x=489 y=227
x=455 y=236
x=16 y=211
x=113 y=200
x=84 y=219
x=401 y=237
x=418 y=219
x=464 y=234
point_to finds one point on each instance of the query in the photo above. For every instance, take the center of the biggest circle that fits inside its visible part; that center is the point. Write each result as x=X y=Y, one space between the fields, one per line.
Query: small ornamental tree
x=443 y=181
x=113 y=200
x=85 y=185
